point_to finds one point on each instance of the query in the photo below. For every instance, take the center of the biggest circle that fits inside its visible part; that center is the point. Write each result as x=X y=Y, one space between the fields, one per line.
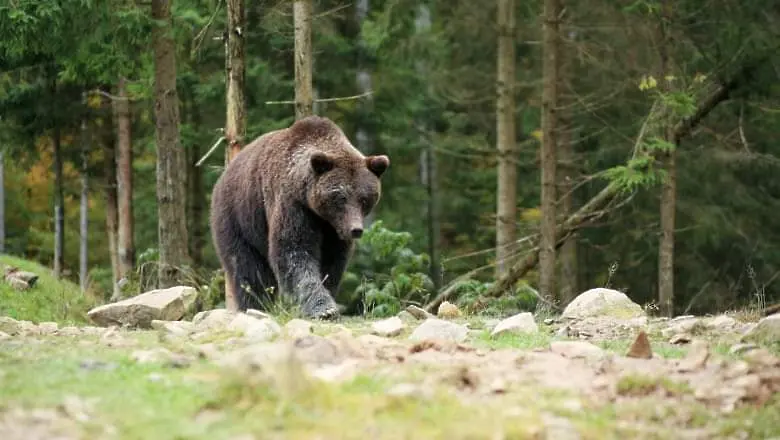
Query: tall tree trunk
x=304 y=97
x=569 y=266
x=84 y=205
x=668 y=191
x=59 y=206
x=2 y=203
x=171 y=164
x=506 y=229
x=124 y=172
x=110 y=147
x=364 y=132
x=428 y=166
x=235 y=71
x=550 y=73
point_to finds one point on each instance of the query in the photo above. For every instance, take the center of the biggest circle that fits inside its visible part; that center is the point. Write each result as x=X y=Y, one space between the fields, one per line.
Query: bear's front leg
x=294 y=254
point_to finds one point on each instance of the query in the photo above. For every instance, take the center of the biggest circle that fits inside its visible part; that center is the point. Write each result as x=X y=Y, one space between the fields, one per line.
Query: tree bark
x=550 y=68
x=668 y=200
x=84 y=205
x=2 y=203
x=109 y=145
x=171 y=164
x=235 y=72
x=124 y=173
x=304 y=97
x=59 y=206
x=506 y=228
x=568 y=287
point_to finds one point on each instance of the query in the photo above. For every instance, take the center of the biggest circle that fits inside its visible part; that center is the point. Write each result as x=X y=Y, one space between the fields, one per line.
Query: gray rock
x=722 y=323
x=11 y=326
x=388 y=327
x=767 y=330
x=742 y=348
x=139 y=311
x=48 y=328
x=434 y=328
x=216 y=319
x=576 y=349
x=298 y=328
x=260 y=330
x=405 y=316
x=4 y=335
x=175 y=328
x=681 y=325
x=257 y=314
x=520 y=323
x=603 y=302
x=418 y=312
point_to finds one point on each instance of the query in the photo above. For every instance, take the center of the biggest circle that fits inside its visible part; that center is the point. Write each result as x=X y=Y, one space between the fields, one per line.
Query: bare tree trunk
x=569 y=266
x=84 y=205
x=428 y=167
x=364 y=133
x=59 y=208
x=2 y=203
x=506 y=229
x=304 y=97
x=171 y=164
x=124 y=166
x=550 y=67
x=235 y=70
x=109 y=145
x=668 y=196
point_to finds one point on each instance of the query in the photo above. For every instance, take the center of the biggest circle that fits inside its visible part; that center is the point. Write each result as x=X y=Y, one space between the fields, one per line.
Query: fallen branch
x=208 y=153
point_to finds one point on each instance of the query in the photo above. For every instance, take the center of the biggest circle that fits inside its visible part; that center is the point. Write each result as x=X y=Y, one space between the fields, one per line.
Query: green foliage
x=471 y=298
x=385 y=273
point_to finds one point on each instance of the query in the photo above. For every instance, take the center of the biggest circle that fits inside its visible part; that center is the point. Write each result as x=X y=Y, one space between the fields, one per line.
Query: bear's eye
x=338 y=196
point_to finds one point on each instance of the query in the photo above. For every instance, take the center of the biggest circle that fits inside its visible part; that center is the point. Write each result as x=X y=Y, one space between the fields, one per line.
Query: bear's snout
x=356 y=232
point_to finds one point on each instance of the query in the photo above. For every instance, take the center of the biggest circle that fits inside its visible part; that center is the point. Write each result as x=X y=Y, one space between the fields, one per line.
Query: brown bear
x=286 y=211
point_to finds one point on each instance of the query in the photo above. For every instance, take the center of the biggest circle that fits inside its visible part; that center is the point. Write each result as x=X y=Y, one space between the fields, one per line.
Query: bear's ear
x=378 y=164
x=321 y=163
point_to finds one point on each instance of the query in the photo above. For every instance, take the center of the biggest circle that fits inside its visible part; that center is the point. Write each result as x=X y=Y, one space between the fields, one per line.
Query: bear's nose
x=357 y=232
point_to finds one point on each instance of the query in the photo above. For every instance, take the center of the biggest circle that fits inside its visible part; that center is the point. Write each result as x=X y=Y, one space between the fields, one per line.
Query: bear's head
x=345 y=189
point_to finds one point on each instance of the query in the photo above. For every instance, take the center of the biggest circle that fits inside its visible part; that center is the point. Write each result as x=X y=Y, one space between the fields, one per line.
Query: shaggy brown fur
x=285 y=213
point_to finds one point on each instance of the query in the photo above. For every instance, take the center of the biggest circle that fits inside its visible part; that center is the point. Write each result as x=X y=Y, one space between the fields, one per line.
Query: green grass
x=50 y=299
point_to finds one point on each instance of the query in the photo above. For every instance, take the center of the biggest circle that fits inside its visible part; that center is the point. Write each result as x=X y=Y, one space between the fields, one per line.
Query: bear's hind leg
x=253 y=279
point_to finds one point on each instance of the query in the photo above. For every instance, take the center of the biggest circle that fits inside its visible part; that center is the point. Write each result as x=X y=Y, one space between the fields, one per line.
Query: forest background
x=541 y=147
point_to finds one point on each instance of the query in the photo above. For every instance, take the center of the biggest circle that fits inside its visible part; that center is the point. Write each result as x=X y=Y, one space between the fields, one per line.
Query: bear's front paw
x=320 y=306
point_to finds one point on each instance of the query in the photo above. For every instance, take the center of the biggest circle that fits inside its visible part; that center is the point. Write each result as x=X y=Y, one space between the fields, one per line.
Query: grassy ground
x=50 y=300
x=126 y=399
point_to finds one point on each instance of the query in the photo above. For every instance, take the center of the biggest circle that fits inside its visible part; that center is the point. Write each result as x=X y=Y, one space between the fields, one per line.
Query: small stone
x=447 y=310
x=722 y=323
x=48 y=328
x=549 y=321
x=297 y=328
x=4 y=335
x=253 y=328
x=17 y=283
x=576 y=349
x=433 y=328
x=680 y=339
x=160 y=356
x=336 y=373
x=418 y=312
x=10 y=325
x=92 y=364
x=217 y=319
x=767 y=330
x=389 y=327
x=70 y=331
x=696 y=358
x=640 y=348
x=517 y=324
x=175 y=328
x=742 y=348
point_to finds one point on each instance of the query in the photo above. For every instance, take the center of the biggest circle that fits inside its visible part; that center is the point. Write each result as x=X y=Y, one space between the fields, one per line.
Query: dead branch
x=345 y=98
